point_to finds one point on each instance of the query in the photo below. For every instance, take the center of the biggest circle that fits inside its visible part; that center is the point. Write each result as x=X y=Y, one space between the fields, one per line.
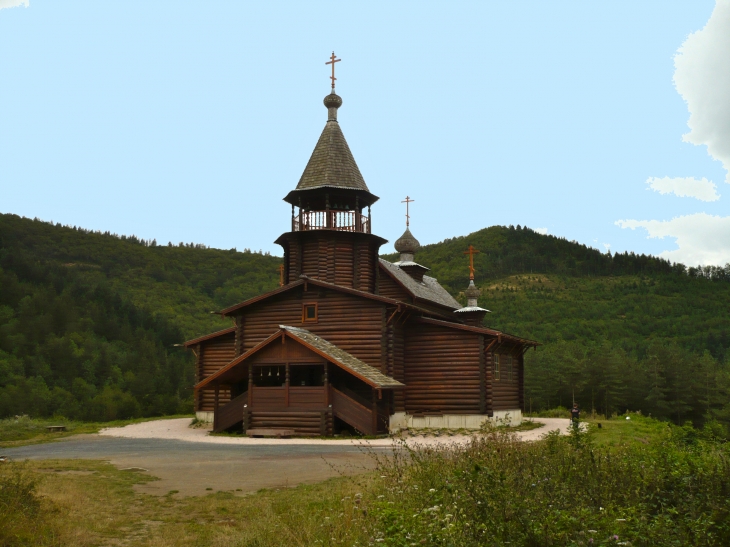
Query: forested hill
x=88 y=320
x=505 y=251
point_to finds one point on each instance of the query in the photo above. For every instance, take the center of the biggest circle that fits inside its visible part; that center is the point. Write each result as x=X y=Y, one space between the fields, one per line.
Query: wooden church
x=350 y=341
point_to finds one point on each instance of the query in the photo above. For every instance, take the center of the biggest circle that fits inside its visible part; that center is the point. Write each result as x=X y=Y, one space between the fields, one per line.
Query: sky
x=604 y=122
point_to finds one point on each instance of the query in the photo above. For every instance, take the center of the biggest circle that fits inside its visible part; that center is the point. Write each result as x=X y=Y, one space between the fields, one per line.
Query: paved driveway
x=190 y=461
x=191 y=467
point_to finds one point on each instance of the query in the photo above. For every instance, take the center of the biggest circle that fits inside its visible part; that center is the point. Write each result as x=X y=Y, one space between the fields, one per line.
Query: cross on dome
x=332 y=62
x=471 y=252
x=408 y=201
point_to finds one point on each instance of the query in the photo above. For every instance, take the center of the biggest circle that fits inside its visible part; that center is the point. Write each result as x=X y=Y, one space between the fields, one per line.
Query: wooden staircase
x=352 y=412
x=230 y=414
x=304 y=421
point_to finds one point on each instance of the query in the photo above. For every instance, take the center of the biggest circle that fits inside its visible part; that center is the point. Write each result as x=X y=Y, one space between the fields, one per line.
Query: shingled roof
x=347 y=361
x=429 y=289
x=332 y=164
x=329 y=351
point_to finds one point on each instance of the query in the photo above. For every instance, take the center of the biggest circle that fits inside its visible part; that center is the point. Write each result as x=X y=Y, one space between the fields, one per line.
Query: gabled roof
x=352 y=364
x=326 y=285
x=194 y=341
x=368 y=374
x=429 y=290
x=480 y=330
x=332 y=164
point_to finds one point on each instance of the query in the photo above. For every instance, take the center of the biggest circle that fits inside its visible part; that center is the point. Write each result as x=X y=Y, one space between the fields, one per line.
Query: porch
x=303 y=384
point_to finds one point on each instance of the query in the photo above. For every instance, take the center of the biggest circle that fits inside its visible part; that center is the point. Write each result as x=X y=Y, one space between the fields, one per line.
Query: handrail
x=343 y=221
x=352 y=412
x=230 y=414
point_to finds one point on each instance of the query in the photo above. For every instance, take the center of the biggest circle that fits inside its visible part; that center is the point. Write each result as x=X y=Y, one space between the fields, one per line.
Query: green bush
x=561 y=491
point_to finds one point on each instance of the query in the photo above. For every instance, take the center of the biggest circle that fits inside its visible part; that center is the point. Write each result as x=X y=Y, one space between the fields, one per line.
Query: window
x=496 y=367
x=508 y=366
x=269 y=376
x=309 y=313
x=306 y=375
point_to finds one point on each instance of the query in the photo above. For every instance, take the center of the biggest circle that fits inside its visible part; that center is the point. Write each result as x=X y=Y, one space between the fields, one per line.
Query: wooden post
x=215 y=408
x=375 y=413
x=238 y=344
x=328 y=218
x=286 y=385
x=250 y=385
x=482 y=377
x=326 y=385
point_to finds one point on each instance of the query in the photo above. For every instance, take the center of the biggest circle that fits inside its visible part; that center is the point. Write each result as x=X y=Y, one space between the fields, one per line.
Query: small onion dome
x=333 y=100
x=472 y=291
x=407 y=243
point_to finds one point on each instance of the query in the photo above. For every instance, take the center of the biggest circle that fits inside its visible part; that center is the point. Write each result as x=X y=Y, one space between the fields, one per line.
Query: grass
x=644 y=481
x=24 y=430
x=85 y=503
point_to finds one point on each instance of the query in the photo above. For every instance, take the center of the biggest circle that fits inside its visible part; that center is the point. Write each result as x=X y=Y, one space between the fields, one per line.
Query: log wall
x=343 y=258
x=352 y=323
x=506 y=390
x=212 y=355
x=441 y=370
x=390 y=289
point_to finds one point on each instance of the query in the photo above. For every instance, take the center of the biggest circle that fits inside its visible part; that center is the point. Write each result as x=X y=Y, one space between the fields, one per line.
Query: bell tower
x=330 y=237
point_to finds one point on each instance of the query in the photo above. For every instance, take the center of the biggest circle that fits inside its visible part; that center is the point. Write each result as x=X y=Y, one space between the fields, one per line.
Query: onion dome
x=332 y=101
x=472 y=293
x=407 y=243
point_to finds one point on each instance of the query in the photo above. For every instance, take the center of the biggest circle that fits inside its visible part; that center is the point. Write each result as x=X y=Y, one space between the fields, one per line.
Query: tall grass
x=499 y=491
x=21 y=519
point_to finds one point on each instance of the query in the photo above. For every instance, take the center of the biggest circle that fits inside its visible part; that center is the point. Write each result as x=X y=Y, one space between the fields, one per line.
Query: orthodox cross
x=332 y=62
x=471 y=252
x=281 y=275
x=408 y=201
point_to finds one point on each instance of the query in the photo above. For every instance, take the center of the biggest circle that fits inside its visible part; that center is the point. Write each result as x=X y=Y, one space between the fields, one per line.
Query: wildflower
x=432 y=490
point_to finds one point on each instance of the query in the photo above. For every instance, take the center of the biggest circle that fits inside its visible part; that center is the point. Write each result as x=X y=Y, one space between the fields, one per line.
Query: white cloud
x=542 y=231
x=701 y=238
x=702 y=77
x=685 y=187
x=607 y=246
x=13 y=3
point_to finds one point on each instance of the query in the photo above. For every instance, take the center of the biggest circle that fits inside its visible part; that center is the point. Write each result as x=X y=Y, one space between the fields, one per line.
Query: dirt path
x=178 y=429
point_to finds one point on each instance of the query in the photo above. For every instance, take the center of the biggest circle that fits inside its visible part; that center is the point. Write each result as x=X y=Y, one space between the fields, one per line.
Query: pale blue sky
x=189 y=121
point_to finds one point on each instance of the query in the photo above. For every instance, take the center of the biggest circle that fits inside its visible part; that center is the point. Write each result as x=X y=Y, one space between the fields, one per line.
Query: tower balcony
x=343 y=221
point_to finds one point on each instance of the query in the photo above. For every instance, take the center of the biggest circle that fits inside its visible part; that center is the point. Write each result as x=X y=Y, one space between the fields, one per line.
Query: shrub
x=561 y=491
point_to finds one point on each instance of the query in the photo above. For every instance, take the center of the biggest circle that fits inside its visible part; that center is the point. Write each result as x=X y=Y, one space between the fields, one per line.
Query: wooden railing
x=352 y=412
x=344 y=221
x=230 y=413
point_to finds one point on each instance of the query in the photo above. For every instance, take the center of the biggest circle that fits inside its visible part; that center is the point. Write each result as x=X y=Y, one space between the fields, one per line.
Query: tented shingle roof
x=332 y=164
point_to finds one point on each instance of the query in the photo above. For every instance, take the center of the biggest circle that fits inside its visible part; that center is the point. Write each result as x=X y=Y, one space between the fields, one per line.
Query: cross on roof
x=408 y=201
x=332 y=62
x=281 y=275
x=471 y=252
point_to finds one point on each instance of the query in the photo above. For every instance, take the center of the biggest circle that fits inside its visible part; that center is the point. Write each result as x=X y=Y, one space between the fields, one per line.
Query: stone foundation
x=401 y=420
x=204 y=416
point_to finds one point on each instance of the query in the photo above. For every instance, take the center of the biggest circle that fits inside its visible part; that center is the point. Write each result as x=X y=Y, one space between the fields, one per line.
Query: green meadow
x=637 y=482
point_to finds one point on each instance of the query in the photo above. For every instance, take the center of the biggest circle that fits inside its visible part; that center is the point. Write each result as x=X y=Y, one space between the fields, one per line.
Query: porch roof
x=367 y=373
